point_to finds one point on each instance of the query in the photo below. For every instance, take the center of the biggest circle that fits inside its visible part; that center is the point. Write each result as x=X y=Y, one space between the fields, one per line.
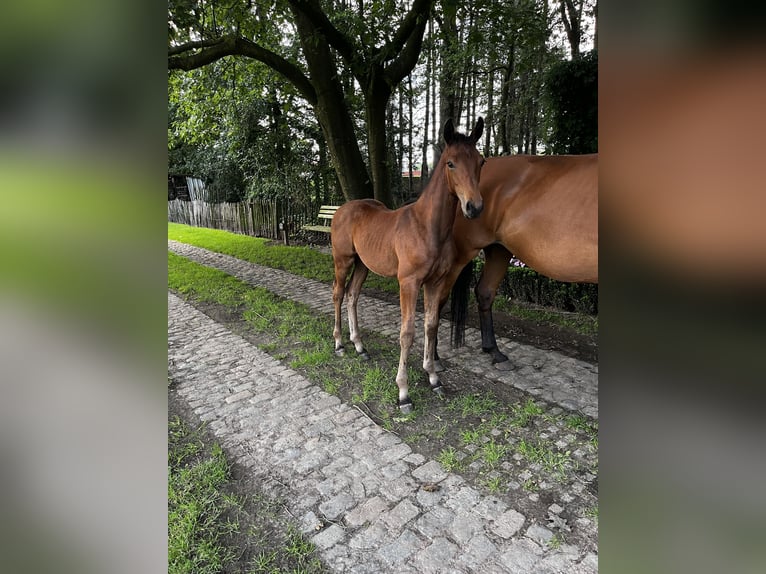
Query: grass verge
x=212 y=528
x=303 y=261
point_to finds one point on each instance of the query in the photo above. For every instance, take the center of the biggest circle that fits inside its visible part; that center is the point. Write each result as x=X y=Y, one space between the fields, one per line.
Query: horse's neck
x=436 y=205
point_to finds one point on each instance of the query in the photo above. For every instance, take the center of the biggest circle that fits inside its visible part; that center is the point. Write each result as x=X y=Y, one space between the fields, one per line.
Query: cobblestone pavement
x=547 y=375
x=366 y=500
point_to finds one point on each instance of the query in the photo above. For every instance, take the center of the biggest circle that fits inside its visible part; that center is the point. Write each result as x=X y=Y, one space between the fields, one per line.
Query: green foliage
x=572 y=95
x=524 y=284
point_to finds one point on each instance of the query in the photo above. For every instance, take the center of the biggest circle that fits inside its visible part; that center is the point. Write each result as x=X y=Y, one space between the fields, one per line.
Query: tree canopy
x=328 y=100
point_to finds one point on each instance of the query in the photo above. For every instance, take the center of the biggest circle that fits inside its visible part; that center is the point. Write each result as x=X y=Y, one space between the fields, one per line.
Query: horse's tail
x=459 y=305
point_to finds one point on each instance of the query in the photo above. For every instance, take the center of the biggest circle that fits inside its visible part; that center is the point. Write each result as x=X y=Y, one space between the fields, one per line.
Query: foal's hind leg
x=432 y=305
x=354 y=288
x=342 y=267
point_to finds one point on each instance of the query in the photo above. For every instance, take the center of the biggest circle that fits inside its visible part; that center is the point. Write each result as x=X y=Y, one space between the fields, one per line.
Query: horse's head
x=462 y=164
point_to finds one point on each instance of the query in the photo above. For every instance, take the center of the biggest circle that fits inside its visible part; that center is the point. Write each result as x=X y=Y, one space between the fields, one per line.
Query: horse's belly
x=380 y=264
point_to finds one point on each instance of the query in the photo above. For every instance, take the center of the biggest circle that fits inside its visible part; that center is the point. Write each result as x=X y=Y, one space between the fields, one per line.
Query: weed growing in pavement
x=556 y=541
x=592 y=513
x=524 y=414
x=492 y=452
x=448 y=458
x=542 y=452
x=471 y=436
x=530 y=485
x=494 y=484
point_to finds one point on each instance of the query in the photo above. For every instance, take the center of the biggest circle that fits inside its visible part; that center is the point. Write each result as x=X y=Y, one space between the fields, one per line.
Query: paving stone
x=368 y=511
x=508 y=524
x=539 y=534
x=400 y=515
x=433 y=559
x=521 y=557
x=337 y=505
x=400 y=549
x=431 y=471
x=465 y=526
x=370 y=538
x=329 y=536
x=479 y=550
x=435 y=522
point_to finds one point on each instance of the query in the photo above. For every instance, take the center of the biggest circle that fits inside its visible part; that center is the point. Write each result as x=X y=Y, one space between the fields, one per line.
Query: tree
x=572 y=96
x=377 y=69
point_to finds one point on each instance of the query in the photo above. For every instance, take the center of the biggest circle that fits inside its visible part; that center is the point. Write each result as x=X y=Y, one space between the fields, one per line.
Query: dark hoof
x=340 y=352
x=405 y=406
x=364 y=355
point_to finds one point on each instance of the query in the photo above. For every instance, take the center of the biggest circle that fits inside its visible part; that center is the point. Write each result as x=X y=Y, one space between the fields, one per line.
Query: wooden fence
x=257 y=217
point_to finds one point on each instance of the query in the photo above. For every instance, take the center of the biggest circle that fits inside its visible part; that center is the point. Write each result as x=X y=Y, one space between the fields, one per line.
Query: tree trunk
x=332 y=114
x=376 y=102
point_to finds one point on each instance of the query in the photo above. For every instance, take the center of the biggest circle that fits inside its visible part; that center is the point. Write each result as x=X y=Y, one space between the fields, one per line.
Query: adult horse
x=541 y=209
x=414 y=244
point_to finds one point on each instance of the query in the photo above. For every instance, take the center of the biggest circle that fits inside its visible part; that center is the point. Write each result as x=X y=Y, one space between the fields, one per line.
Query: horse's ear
x=449 y=131
x=478 y=128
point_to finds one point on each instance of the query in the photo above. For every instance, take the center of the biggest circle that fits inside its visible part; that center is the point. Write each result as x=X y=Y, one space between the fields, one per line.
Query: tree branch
x=416 y=19
x=179 y=49
x=408 y=57
x=335 y=37
x=213 y=50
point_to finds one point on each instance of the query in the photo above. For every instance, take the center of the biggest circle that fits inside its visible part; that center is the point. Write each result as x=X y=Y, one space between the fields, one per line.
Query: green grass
x=524 y=414
x=494 y=484
x=448 y=459
x=308 y=335
x=197 y=507
x=303 y=261
x=211 y=529
x=545 y=454
x=580 y=323
x=475 y=404
x=492 y=452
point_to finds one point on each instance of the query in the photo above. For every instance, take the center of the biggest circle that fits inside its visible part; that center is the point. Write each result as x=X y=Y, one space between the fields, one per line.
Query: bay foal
x=414 y=244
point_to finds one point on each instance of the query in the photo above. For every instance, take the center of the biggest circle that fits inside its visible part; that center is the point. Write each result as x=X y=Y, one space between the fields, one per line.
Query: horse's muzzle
x=472 y=210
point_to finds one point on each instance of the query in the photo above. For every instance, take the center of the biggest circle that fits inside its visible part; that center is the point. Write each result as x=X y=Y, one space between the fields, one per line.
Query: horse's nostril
x=471 y=210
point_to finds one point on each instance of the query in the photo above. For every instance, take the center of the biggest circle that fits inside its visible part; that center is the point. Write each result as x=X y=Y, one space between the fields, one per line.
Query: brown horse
x=414 y=244
x=541 y=209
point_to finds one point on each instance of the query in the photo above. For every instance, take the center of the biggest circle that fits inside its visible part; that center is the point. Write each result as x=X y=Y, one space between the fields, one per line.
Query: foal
x=413 y=243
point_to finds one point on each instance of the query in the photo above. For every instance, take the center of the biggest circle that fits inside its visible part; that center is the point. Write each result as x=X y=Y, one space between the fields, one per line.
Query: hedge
x=525 y=285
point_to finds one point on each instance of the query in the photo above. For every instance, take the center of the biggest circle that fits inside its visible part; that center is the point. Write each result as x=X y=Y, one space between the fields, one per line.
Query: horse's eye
x=450 y=165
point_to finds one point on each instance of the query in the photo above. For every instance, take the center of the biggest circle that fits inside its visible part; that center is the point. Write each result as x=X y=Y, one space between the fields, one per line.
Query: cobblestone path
x=547 y=375
x=364 y=498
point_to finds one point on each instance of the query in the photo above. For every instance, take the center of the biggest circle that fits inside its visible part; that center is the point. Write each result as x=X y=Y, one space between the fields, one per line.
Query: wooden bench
x=326 y=212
